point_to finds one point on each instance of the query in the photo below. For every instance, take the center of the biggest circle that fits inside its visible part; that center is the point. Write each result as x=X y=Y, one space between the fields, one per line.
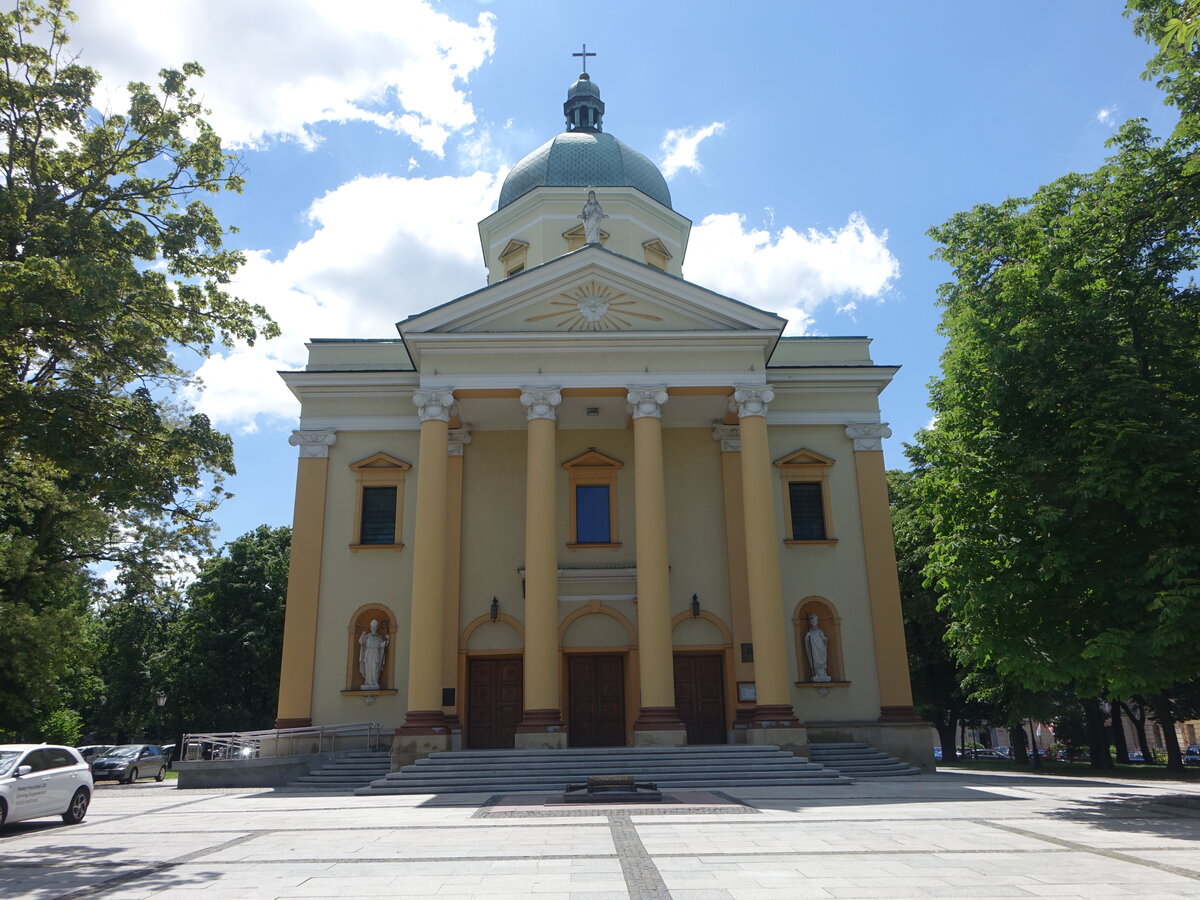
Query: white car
x=39 y=780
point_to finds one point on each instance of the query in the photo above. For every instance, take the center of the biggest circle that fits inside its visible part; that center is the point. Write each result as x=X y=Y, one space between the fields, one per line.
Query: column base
x=659 y=726
x=776 y=723
x=774 y=715
x=293 y=723
x=541 y=729
x=424 y=732
x=899 y=714
x=540 y=740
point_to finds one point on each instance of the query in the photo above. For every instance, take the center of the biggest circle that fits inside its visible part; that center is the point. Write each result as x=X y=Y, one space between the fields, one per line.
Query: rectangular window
x=591 y=514
x=808 y=511
x=378 y=525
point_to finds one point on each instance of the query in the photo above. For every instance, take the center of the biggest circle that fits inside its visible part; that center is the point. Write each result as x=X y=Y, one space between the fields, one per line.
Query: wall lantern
x=695 y=607
x=495 y=611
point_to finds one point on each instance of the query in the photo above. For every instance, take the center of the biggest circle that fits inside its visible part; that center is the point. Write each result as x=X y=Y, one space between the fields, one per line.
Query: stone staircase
x=349 y=771
x=859 y=761
x=508 y=771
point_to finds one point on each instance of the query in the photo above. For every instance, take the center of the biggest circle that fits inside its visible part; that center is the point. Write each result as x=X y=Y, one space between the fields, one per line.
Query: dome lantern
x=584 y=109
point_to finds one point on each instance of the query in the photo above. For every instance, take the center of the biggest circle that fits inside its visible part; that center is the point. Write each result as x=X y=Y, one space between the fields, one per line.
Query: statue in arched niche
x=816 y=646
x=371 y=648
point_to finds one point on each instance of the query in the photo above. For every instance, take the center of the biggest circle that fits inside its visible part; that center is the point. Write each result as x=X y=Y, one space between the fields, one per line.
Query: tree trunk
x=945 y=732
x=1020 y=748
x=1139 y=727
x=1118 y=733
x=1097 y=740
x=1166 y=718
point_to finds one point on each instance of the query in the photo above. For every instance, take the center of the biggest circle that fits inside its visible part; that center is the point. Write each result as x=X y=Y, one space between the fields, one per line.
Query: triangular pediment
x=803 y=458
x=380 y=461
x=592 y=460
x=591 y=291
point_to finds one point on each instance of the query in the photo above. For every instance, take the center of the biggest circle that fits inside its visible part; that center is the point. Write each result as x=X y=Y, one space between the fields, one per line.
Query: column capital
x=750 y=400
x=434 y=405
x=646 y=402
x=868 y=436
x=314 y=443
x=458 y=438
x=729 y=437
x=541 y=403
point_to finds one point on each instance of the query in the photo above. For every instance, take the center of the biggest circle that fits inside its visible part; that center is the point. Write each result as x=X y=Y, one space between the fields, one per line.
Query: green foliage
x=228 y=643
x=1065 y=461
x=109 y=263
x=62 y=726
x=1173 y=26
x=937 y=678
x=135 y=661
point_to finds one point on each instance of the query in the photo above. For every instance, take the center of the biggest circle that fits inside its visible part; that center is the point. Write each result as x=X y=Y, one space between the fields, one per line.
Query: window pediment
x=380 y=462
x=803 y=459
x=592 y=461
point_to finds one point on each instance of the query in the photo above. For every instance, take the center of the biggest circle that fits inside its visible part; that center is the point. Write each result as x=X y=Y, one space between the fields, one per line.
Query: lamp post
x=160 y=700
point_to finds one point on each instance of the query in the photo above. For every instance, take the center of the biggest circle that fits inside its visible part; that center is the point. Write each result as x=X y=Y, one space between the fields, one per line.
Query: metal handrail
x=272 y=742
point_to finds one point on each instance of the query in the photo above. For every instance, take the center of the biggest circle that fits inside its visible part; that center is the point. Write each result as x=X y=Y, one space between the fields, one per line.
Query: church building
x=592 y=503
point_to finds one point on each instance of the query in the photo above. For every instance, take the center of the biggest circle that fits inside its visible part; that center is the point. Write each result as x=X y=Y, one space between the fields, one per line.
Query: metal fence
x=229 y=745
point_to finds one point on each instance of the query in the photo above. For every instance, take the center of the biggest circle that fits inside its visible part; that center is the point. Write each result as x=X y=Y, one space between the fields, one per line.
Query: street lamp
x=160 y=700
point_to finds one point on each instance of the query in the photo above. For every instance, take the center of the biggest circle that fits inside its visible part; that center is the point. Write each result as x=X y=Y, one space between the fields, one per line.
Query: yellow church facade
x=592 y=503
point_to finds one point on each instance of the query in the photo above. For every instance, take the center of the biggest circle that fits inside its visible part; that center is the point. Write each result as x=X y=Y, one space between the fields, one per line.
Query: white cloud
x=277 y=68
x=1107 y=115
x=382 y=249
x=789 y=272
x=679 y=146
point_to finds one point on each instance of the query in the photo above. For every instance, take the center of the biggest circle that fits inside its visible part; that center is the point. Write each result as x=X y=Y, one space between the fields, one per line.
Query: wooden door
x=494 y=703
x=700 y=698
x=596 y=686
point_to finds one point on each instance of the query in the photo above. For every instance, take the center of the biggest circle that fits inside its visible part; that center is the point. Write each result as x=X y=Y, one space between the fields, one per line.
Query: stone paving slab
x=948 y=835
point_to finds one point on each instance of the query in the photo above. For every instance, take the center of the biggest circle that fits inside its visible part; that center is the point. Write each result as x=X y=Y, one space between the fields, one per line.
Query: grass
x=1074 y=769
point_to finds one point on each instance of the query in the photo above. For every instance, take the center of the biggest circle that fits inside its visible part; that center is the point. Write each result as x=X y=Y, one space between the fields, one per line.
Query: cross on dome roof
x=585 y=55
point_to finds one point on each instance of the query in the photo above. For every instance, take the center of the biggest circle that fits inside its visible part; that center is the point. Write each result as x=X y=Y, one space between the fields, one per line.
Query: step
x=492 y=771
x=454 y=787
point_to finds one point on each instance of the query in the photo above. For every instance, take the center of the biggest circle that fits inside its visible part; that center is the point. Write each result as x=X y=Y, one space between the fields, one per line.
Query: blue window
x=592 y=514
x=378 y=523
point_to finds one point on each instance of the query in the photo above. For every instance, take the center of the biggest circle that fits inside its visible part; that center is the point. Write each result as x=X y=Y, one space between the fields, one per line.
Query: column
x=304 y=578
x=774 y=712
x=657 y=723
x=883 y=586
x=457 y=439
x=729 y=437
x=424 y=730
x=541 y=726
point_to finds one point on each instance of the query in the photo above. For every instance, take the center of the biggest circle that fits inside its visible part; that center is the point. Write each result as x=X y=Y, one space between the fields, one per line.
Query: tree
x=1065 y=461
x=1173 y=26
x=109 y=263
x=229 y=640
x=937 y=679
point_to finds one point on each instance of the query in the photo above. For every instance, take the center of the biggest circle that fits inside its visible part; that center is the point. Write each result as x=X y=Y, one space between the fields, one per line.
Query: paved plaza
x=945 y=835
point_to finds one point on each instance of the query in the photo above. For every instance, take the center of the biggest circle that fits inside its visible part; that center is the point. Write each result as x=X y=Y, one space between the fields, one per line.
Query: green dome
x=585 y=159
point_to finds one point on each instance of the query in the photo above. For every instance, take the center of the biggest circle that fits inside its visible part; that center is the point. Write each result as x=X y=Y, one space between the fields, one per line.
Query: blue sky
x=821 y=139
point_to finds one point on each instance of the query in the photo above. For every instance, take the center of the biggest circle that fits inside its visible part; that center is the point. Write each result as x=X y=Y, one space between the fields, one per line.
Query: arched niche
x=360 y=624
x=596 y=625
x=484 y=633
x=703 y=630
x=831 y=623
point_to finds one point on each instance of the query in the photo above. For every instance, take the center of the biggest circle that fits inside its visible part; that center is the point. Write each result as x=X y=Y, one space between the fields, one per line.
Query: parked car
x=1191 y=755
x=130 y=762
x=168 y=752
x=91 y=751
x=984 y=753
x=39 y=780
